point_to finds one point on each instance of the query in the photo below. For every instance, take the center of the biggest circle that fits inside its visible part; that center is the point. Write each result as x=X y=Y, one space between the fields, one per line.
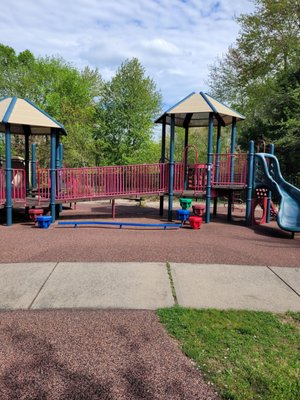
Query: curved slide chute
x=267 y=174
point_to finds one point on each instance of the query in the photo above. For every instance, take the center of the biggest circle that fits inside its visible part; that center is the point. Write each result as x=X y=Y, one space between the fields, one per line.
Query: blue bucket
x=44 y=221
x=183 y=215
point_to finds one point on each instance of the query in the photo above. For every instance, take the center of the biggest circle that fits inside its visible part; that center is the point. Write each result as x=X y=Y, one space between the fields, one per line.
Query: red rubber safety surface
x=88 y=355
x=219 y=242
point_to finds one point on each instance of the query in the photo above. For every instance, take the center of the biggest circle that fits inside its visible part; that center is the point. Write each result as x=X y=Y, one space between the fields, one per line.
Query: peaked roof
x=194 y=111
x=24 y=116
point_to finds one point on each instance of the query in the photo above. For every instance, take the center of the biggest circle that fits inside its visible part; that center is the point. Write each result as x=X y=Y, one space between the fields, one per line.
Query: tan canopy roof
x=22 y=114
x=194 y=110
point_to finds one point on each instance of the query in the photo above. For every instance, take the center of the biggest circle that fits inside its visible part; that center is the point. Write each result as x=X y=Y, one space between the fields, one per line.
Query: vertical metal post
x=61 y=154
x=268 y=216
x=217 y=166
x=58 y=207
x=33 y=165
x=186 y=168
x=250 y=181
x=57 y=152
x=8 y=171
x=61 y=157
x=52 y=173
x=163 y=160
x=209 y=165
x=113 y=209
x=232 y=149
x=27 y=133
x=171 y=177
x=218 y=151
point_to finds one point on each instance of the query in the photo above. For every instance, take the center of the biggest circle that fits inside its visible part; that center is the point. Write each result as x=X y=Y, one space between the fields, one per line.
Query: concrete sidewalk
x=148 y=286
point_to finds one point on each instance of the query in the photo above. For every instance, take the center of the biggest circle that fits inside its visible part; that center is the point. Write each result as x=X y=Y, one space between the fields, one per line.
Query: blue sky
x=175 y=40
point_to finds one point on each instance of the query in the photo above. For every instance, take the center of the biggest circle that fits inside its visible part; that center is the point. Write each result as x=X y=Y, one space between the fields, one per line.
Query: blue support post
x=251 y=155
x=171 y=177
x=58 y=207
x=162 y=160
x=33 y=165
x=27 y=134
x=268 y=216
x=186 y=168
x=209 y=165
x=57 y=162
x=218 y=150
x=232 y=149
x=52 y=173
x=217 y=166
x=8 y=171
x=61 y=158
x=61 y=155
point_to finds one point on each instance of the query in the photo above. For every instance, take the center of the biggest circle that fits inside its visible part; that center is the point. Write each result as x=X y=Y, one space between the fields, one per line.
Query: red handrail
x=222 y=169
x=95 y=182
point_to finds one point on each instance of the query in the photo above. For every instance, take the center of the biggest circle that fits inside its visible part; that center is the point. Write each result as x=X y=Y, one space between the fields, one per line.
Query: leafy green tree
x=259 y=77
x=126 y=109
x=60 y=89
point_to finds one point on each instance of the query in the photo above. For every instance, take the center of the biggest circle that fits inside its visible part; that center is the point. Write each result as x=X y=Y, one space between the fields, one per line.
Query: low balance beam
x=120 y=224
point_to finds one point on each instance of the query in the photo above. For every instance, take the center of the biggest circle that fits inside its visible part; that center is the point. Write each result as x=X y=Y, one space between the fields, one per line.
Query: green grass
x=247 y=355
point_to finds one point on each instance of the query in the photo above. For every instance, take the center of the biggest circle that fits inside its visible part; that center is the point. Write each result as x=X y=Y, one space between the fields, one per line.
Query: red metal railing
x=18 y=186
x=94 y=182
x=221 y=174
x=178 y=177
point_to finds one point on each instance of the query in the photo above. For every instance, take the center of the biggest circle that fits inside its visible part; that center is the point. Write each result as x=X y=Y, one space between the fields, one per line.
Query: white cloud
x=175 y=40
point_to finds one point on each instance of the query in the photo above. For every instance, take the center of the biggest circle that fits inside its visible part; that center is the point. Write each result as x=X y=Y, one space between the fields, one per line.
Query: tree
x=126 y=109
x=258 y=74
x=67 y=94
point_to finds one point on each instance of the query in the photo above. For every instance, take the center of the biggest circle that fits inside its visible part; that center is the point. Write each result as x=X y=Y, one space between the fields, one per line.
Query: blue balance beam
x=120 y=224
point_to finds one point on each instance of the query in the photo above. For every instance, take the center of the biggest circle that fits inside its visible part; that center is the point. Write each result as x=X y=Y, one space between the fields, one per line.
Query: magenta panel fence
x=94 y=182
x=197 y=177
x=222 y=169
x=18 y=186
x=2 y=187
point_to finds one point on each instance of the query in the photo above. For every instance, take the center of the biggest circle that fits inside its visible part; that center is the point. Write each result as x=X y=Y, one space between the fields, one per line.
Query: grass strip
x=168 y=265
x=247 y=355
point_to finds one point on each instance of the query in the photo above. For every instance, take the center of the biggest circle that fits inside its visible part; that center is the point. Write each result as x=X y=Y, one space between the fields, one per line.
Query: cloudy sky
x=175 y=40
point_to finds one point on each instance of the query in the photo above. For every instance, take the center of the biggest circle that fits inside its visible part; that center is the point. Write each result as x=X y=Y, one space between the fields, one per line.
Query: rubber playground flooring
x=219 y=242
x=86 y=354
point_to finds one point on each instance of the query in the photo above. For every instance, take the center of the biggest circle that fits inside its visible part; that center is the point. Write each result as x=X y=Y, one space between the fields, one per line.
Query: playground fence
x=94 y=182
x=18 y=186
x=142 y=179
x=221 y=175
x=18 y=189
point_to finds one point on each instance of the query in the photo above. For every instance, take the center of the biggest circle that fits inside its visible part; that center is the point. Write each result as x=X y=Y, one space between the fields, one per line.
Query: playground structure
x=220 y=175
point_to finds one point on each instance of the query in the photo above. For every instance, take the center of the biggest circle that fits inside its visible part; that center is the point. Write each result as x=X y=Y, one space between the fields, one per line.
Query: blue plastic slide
x=267 y=174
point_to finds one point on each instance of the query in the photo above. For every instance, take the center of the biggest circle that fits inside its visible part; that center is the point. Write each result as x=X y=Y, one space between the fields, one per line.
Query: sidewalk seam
x=173 y=290
x=43 y=285
x=287 y=284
